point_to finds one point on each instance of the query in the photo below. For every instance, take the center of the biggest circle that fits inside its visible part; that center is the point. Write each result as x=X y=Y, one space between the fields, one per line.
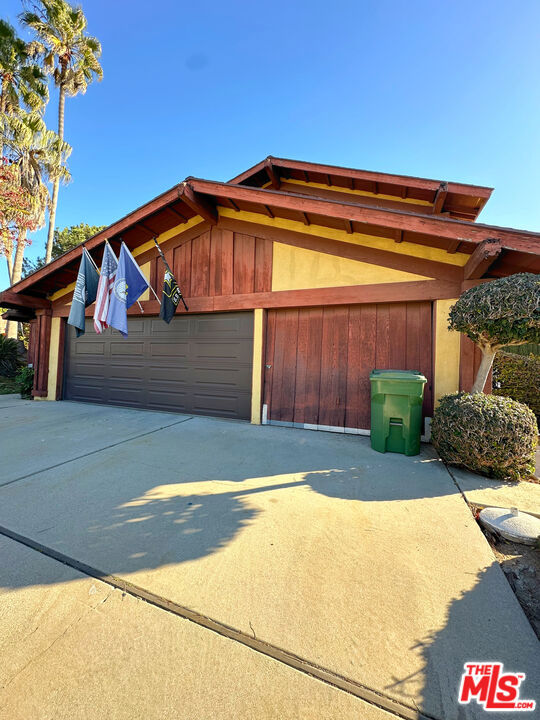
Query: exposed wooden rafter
x=199 y=203
x=440 y=197
x=482 y=258
x=273 y=174
x=11 y=299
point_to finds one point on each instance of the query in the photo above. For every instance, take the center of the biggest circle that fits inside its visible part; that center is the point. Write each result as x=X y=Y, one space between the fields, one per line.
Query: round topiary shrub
x=491 y=435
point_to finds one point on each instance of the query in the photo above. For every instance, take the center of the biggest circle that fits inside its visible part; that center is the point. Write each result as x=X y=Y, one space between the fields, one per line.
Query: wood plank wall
x=218 y=262
x=321 y=359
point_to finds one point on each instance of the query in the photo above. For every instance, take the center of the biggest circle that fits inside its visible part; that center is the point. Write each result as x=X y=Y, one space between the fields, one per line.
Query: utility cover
x=511 y=524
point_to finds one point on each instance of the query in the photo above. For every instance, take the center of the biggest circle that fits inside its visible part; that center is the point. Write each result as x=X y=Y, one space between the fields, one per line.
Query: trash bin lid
x=403 y=375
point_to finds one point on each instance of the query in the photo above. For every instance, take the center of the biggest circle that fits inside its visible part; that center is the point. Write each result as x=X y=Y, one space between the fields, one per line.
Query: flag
x=106 y=281
x=84 y=293
x=129 y=285
x=170 y=297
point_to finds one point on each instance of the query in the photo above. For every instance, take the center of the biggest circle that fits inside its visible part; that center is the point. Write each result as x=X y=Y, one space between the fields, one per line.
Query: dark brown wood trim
x=442 y=227
x=349 y=295
x=482 y=258
x=15 y=300
x=374 y=256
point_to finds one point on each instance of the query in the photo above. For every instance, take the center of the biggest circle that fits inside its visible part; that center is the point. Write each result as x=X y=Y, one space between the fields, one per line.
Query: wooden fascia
x=482 y=258
x=441 y=227
x=199 y=203
x=389 y=179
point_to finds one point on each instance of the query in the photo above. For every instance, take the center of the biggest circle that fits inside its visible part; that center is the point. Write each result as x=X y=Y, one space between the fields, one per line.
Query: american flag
x=106 y=281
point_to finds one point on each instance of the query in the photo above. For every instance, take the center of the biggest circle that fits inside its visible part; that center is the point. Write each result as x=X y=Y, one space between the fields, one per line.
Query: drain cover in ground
x=520 y=527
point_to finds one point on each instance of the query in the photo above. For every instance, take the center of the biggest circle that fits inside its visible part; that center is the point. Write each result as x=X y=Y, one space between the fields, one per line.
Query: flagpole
x=91 y=258
x=160 y=251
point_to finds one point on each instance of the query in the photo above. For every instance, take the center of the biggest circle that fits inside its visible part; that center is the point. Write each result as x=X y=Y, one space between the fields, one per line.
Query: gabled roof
x=458 y=200
x=518 y=251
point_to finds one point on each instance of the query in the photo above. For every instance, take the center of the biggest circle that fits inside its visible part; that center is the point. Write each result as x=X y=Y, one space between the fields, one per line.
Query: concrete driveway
x=321 y=579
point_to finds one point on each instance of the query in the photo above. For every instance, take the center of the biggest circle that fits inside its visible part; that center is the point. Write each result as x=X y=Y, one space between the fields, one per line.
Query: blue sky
x=443 y=90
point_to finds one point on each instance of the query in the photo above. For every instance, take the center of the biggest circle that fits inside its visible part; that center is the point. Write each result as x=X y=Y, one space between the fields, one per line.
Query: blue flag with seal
x=84 y=293
x=129 y=285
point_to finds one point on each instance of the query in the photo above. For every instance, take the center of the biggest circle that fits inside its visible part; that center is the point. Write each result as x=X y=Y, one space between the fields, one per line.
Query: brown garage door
x=198 y=364
x=318 y=360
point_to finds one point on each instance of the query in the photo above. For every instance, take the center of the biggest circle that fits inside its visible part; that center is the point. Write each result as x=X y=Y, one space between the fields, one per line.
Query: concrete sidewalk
x=368 y=565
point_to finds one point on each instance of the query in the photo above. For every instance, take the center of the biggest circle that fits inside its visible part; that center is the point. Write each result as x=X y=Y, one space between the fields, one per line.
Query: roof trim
x=442 y=227
x=409 y=180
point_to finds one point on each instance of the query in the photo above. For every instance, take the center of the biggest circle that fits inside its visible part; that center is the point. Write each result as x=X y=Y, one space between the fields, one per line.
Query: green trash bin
x=396 y=410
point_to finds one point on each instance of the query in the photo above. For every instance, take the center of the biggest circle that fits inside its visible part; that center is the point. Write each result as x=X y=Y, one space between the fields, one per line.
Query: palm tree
x=71 y=56
x=39 y=156
x=22 y=82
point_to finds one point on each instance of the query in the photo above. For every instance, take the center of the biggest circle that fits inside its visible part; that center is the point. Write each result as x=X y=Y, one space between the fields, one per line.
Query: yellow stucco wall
x=447 y=352
x=146 y=272
x=298 y=269
x=54 y=354
x=256 y=382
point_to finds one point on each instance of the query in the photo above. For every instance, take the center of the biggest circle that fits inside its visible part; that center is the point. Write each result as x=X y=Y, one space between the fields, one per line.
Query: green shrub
x=25 y=381
x=518 y=377
x=491 y=435
x=9 y=358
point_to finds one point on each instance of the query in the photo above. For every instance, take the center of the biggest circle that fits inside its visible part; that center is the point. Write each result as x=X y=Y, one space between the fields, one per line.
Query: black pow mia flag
x=170 y=297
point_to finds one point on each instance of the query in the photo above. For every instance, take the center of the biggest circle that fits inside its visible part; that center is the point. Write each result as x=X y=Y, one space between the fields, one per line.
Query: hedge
x=491 y=435
x=518 y=377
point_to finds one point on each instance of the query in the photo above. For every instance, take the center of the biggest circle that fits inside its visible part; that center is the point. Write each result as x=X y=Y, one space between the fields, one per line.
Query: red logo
x=490 y=686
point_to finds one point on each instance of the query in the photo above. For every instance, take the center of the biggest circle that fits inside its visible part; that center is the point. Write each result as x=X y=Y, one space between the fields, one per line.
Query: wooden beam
x=15 y=300
x=348 y=226
x=393 y=219
x=453 y=246
x=199 y=203
x=273 y=174
x=349 y=295
x=19 y=315
x=483 y=257
x=268 y=211
x=399 y=236
x=440 y=197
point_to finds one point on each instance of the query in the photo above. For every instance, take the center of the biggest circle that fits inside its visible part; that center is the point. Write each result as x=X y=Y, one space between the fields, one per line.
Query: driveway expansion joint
x=329 y=677
x=95 y=452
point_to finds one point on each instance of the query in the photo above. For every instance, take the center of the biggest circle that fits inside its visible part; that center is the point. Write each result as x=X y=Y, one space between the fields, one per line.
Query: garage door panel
x=318 y=360
x=181 y=367
x=125 y=349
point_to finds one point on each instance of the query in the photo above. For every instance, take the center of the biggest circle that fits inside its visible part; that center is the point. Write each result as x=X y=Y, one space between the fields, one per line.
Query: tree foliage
x=22 y=81
x=500 y=312
x=496 y=314
x=65 y=239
